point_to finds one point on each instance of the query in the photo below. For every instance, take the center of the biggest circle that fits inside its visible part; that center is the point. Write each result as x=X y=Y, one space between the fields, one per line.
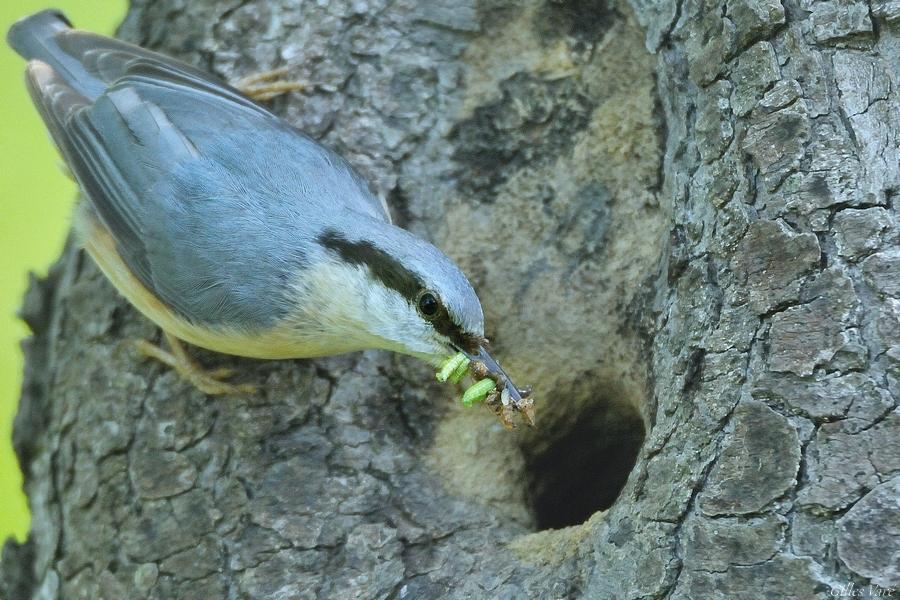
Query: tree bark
x=679 y=216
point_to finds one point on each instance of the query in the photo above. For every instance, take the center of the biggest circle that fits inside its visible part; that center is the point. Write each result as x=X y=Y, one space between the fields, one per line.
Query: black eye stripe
x=443 y=324
x=395 y=276
x=382 y=265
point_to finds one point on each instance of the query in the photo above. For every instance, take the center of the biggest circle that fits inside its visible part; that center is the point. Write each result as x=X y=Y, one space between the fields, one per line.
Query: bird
x=228 y=227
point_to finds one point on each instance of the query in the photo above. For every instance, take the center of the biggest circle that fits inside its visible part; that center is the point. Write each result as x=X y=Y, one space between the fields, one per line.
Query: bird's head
x=402 y=293
x=378 y=286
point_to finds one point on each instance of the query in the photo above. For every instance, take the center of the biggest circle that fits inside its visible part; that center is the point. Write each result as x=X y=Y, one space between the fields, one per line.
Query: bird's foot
x=269 y=84
x=208 y=382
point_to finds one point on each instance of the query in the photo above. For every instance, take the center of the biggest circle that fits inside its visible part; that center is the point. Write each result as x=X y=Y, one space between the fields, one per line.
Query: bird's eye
x=428 y=305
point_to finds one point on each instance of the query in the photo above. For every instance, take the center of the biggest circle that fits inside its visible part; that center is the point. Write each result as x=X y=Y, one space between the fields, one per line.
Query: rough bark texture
x=679 y=216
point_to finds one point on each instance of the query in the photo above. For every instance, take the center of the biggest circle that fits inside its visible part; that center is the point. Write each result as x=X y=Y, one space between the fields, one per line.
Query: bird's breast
x=281 y=341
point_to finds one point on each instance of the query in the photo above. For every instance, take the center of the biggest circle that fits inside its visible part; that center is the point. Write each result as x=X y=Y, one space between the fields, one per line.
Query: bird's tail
x=48 y=38
x=34 y=37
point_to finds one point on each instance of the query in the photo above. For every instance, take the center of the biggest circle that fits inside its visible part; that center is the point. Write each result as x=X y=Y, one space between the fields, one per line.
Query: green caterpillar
x=478 y=391
x=454 y=369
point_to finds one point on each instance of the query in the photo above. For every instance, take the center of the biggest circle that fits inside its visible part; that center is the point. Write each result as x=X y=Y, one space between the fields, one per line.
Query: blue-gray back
x=212 y=200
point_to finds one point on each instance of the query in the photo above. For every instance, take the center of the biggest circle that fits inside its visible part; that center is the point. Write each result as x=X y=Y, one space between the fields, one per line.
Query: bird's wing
x=126 y=154
x=83 y=132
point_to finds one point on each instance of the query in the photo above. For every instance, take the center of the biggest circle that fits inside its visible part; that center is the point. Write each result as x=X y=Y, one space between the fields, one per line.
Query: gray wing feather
x=64 y=110
x=175 y=215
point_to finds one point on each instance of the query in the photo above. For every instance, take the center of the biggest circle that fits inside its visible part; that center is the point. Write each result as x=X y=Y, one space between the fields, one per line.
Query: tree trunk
x=690 y=251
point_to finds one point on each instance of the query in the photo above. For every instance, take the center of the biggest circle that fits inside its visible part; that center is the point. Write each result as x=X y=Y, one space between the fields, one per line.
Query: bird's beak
x=497 y=373
x=518 y=398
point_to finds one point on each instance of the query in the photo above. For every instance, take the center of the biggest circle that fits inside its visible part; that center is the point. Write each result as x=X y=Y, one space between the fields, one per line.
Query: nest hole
x=583 y=468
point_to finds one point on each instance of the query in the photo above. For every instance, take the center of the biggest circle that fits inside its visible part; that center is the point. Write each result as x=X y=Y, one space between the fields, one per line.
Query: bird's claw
x=208 y=382
x=269 y=84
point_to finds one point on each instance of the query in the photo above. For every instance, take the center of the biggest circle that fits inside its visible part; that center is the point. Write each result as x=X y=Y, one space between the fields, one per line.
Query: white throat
x=342 y=309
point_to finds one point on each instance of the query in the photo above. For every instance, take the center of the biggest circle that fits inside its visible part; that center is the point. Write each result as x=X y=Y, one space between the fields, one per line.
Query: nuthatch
x=226 y=226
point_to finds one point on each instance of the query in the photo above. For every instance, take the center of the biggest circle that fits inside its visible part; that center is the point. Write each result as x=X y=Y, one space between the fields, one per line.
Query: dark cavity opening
x=582 y=469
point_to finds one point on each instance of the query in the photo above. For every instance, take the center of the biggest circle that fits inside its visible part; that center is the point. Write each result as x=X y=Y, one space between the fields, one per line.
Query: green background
x=35 y=205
